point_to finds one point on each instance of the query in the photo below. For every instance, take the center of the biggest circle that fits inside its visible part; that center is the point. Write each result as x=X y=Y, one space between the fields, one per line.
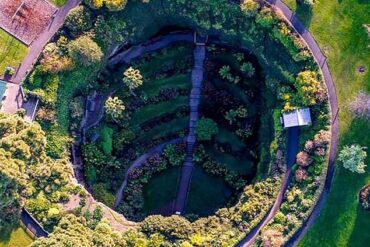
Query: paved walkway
x=138 y=162
x=38 y=44
x=187 y=168
x=292 y=150
x=321 y=61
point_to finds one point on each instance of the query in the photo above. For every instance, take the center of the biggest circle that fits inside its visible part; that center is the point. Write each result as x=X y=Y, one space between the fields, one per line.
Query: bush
x=85 y=51
x=112 y=5
x=102 y=195
x=78 y=20
x=106 y=140
x=205 y=129
x=353 y=157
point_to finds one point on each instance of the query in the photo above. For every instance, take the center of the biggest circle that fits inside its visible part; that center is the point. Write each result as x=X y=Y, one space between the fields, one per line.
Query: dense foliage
x=353 y=157
x=291 y=76
x=29 y=177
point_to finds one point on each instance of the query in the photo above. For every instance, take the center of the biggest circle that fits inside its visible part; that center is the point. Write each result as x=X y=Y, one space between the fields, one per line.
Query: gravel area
x=25 y=19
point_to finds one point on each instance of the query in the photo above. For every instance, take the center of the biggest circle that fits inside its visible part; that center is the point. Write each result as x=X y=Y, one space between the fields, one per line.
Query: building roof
x=299 y=117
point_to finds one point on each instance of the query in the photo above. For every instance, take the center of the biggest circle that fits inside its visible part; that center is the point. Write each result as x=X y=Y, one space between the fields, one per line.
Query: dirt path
x=38 y=44
x=138 y=162
x=187 y=168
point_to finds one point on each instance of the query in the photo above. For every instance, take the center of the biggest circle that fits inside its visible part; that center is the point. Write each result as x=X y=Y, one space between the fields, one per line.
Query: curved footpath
x=152 y=45
x=138 y=162
x=297 y=25
x=292 y=150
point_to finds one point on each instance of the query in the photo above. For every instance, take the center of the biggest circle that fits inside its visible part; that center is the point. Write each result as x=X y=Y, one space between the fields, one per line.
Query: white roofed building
x=299 y=117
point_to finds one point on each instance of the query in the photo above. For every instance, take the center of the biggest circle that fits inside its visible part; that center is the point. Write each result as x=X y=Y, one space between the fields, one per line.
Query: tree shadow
x=304 y=13
x=360 y=235
x=5 y=234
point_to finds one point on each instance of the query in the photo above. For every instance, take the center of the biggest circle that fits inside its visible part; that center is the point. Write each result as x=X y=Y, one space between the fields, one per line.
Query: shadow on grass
x=360 y=235
x=5 y=234
x=304 y=13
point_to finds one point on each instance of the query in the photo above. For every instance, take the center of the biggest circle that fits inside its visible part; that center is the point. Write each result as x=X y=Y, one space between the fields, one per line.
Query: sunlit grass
x=337 y=25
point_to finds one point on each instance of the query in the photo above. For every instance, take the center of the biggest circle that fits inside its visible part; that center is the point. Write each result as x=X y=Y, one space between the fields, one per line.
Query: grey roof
x=299 y=117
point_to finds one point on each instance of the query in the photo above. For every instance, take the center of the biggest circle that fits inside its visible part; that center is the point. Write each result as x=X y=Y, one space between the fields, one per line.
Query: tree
x=206 y=128
x=10 y=206
x=78 y=20
x=85 y=51
x=114 y=107
x=112 y=5
x=248 y=69
x=353 y=157
x=132 y=78
x=360 y=107
x=310 y=89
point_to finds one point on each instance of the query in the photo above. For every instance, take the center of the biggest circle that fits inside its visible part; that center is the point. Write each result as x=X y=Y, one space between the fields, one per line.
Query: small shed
x=299 y=117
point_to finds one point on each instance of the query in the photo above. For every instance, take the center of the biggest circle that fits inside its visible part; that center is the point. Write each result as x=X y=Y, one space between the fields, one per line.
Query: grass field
x=152 y=88
x=12 y=51
x=161 y=189
x=240 y=165
x=17 y=238
x=206 y=193
x=58 y=3
x=338 y=28
x=152 y=111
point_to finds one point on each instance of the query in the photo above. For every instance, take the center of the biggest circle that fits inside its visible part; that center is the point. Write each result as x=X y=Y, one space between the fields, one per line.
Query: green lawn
x=153 y=87
x=12 y=51
x=241 y=165
x=152 y=111
x=207 y=193
x=161 y=189
x=165 y=129
x=17 y=238
x=58 y=3
x=338 y=28
x=225 y=136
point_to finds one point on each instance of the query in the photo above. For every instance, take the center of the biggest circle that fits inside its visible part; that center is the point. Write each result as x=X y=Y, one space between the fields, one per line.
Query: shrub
x=310 y=89
x=132 y=78
x=360 y=107
x=353 y=157
x=114 y=107
x=106 y=140
x=85 y=51
x=249 y=7
x=112 y=5
x=123 y=138
x=101 y=194
x=205 y=129
x=78 y=20
x=248 y=69
x=304 y=159
x=174 y=154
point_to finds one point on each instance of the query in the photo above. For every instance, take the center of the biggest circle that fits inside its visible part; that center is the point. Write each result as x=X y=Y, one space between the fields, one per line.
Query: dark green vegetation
x=72 y=66
x=156 y=113
x=338 y=27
